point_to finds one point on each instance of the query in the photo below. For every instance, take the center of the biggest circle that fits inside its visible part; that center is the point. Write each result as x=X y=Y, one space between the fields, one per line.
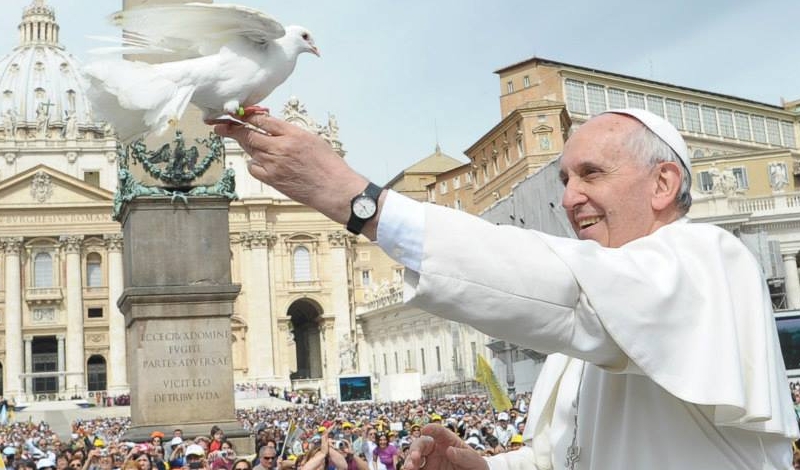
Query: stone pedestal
x=177 y=301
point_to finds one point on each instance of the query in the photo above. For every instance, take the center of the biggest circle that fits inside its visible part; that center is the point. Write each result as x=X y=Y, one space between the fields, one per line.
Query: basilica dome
x=40 y=81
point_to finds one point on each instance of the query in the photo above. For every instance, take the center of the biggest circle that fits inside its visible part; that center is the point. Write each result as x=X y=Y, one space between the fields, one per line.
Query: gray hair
x=651 y=150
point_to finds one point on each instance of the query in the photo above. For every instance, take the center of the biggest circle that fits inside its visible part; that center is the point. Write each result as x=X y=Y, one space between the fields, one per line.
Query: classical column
x=60 y=363
x=340 y=302
x=76 y=383
x=116 y=366
x=28 y=340
x=13 y=319
x=260 y=357
x=792 y=281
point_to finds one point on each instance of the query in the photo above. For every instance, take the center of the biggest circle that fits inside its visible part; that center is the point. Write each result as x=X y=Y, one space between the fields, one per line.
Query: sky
x=402 y=76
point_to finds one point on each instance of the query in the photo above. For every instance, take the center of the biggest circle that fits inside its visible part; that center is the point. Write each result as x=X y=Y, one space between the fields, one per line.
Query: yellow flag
x=485 y=376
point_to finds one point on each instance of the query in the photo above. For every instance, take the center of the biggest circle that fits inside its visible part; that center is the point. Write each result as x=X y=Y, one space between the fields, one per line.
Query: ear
x=666 y=186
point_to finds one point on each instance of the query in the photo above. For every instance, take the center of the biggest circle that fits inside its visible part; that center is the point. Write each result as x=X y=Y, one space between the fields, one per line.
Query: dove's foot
x=247 y=111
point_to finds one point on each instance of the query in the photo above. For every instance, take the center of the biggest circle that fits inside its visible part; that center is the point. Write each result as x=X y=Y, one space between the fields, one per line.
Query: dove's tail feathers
x=168 y=115
x=134 y=98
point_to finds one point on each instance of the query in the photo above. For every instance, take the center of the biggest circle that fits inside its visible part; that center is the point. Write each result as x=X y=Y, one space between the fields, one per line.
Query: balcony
x=303 y=286
x=707 y=207
x=43 y=295
x=95 y=293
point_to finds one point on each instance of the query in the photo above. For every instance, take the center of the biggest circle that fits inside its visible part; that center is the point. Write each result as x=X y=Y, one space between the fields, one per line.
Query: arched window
x=94 y=270
x=96 y=373
x=302 y=264
x=42 y=270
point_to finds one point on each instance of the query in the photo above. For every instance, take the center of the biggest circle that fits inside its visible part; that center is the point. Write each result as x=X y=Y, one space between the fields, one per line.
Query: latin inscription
x=173 y=355
x=53 y=219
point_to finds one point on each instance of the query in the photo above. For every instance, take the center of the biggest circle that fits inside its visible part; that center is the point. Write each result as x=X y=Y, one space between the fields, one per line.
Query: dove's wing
x=192 y=29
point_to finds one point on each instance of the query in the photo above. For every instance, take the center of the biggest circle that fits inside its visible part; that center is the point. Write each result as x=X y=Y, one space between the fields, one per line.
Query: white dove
x=222 y=58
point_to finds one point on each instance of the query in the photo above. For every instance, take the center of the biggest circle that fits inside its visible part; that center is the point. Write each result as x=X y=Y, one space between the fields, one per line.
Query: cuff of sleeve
x=401 y=229
x=521 y=459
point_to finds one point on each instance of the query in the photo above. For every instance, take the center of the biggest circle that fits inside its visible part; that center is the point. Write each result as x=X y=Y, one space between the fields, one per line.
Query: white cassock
x=671 y=338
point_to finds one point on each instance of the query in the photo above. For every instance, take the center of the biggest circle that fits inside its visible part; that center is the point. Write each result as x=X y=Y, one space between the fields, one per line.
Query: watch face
x=364 y=207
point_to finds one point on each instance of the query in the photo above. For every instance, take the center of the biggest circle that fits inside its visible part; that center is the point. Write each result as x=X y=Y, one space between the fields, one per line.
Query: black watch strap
x=355 y=224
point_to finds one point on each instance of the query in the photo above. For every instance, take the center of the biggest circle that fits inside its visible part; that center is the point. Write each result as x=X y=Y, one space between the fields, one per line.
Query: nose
x=573 y=195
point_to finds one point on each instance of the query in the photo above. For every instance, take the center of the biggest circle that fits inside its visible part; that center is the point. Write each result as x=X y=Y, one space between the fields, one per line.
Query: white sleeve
x=401 y=229
x=520 y=459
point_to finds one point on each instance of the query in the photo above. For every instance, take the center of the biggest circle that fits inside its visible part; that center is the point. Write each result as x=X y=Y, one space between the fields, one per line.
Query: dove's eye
x=305 y=36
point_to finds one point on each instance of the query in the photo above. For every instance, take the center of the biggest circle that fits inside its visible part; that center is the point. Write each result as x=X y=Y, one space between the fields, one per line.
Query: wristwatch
x=363 y=207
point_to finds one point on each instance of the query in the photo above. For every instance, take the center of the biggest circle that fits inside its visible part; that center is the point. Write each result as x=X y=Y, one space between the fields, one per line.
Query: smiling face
x=610 y=195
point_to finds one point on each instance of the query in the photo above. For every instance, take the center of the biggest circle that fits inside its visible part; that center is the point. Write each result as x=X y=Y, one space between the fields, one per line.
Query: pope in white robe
x=664 y=348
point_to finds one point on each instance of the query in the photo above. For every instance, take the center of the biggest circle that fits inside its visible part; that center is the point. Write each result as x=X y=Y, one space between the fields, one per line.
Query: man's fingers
x=258 y=171
x=465 y=458
x=442 y=435
x=272 y=125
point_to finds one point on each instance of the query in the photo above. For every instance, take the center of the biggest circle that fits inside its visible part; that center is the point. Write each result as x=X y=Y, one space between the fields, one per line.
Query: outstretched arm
x=302 y=166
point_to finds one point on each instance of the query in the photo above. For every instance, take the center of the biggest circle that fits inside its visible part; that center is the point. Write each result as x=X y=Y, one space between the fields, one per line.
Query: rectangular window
x=365 y=278
x=692 y=114
x=773 y=131
x=398 y=275
x=443 y=187
x=787 y=129
x=726 y=123
x=431 y=193
x=635 y=100
x=616 y=98
x=422 y=361
x=94 y=273
x=95 y=312
x=655 y=104
x=438 y=360
x=456 y=182
x=597 y=98
x=468 y=176
x=42 y=270
x=742 y=126
x=576 y=97
x=458 y=205
x=674 y=114
x=396 y=363
x=740 y=173
x=92 y=177
x=759 y=130
x=526 y=81
x=510 y=86
x=704 y=181
x=710 y=121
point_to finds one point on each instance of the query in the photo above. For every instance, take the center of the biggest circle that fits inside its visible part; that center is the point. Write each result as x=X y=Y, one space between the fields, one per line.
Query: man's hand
x=440 y=449
x=299 y=164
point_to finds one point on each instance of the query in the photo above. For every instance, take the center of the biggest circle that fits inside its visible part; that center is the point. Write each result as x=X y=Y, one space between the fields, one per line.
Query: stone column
x=340 y=302
x=76 y=383
x=260 y=356
x=13 y=319
x=61 y=363
x=117 y=369
x=792 y=281
x=28 y=339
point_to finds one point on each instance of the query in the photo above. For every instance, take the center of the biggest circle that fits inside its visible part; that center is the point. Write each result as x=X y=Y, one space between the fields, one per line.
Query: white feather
x=220 y=57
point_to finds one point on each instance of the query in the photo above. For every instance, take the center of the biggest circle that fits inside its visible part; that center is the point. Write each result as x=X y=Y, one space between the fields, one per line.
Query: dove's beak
x=315 y=51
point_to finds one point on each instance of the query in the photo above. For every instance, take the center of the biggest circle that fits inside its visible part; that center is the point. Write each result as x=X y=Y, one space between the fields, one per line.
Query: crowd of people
x=357 y=436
